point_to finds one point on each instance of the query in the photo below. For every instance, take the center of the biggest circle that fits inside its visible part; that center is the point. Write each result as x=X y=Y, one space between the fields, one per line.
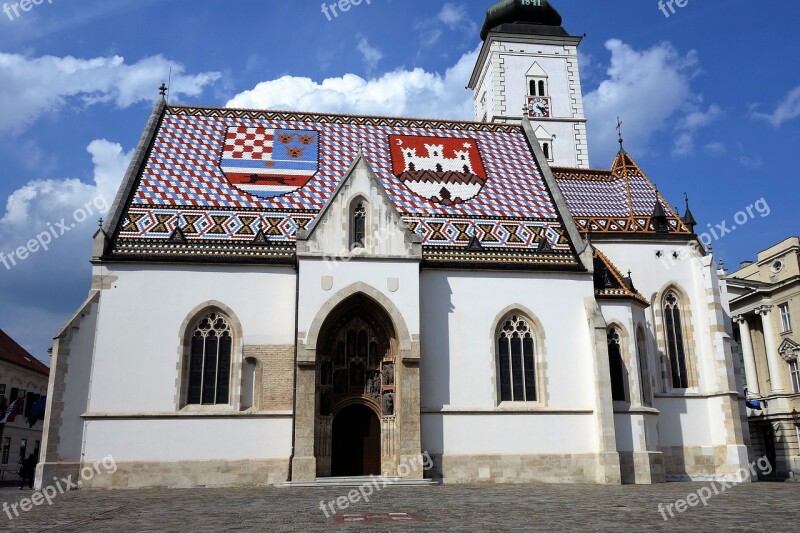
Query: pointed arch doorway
x=356 y=411
x=356 y=443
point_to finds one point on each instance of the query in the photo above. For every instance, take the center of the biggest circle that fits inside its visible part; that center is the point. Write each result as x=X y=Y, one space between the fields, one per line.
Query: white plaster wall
x=684 y=421
x=520 y=433
x=459 y=314
x=135 y=367
x=189 y=439
x=77 y=384
x=652 y=274
x=373 y=273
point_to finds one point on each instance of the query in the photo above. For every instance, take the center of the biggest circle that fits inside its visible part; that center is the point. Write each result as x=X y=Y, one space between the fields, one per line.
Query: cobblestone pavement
x=746 y=507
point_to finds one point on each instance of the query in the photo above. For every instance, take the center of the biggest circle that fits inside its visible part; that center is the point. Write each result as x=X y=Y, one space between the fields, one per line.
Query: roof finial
x=619 y=134
x=163 y=89
x=100 y=223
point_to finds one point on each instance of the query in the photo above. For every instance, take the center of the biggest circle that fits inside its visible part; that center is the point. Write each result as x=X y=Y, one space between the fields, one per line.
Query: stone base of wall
x=705 y=463
x=190 y=474
x=50 y=473
x=642 y=468
x=544 y=468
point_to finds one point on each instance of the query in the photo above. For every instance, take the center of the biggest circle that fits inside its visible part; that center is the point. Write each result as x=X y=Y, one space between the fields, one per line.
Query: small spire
x=688 y=218
x=163 y=90
x=619 y=134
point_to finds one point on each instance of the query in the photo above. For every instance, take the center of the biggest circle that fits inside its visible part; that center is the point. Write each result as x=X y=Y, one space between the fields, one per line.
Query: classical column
x=774 y=361
x=749 y=358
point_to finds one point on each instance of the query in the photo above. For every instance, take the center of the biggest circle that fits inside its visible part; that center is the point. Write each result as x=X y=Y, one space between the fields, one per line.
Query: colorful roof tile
x=238 y=185
x=609 y=282
x=615 y=201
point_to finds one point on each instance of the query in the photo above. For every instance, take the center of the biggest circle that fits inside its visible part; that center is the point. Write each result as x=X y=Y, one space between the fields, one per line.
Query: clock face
x=539 y=107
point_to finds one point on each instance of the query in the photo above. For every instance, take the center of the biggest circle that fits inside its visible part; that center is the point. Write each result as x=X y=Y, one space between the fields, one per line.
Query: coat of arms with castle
x=443 y=170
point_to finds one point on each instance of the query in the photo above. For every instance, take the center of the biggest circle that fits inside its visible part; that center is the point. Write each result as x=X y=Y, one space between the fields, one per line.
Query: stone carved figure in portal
x=388 y=404
x=388 y=374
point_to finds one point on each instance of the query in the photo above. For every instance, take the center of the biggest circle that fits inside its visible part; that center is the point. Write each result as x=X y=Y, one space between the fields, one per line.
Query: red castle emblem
x=444 y=170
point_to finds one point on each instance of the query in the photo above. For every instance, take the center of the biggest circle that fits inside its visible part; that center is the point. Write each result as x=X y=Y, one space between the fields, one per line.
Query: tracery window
x=644 y=367
x=210 y=361
x=676 y=346
x=616 y=365
x=358 y=224
x=516 y=360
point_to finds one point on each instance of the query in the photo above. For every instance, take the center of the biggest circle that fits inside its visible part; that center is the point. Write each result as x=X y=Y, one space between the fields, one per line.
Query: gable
x=240 y=184
x=386 y=235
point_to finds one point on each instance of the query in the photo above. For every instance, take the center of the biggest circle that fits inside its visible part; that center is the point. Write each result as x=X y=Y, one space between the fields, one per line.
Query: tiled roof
x=615 y=201
x=12 y=352
x=609 y=282
x=483 y=181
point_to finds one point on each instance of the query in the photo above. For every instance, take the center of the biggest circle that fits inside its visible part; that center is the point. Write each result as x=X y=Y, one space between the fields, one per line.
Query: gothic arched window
x=644 y=367
x=541 y=88
x=616 y=365
x=358 y=224
x=676 y=346
x=210 y=361
x=516 y=360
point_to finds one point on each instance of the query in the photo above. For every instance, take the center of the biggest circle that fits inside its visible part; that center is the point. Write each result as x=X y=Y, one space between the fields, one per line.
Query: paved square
x=747 y=507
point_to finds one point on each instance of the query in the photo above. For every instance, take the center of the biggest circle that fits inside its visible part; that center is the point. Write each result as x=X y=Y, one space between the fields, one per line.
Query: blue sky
x=709 y=96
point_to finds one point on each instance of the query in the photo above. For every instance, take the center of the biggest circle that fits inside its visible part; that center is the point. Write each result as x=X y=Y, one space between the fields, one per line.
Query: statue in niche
x=388 y=374
x=388 y=404
x=325 y=403
x=356 y=375
x=374 y=384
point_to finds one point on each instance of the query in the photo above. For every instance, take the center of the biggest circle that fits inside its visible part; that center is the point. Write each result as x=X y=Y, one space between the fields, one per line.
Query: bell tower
x=528 y=66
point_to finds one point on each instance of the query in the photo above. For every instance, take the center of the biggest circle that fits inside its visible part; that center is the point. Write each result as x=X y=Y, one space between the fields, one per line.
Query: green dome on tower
x=523 y=16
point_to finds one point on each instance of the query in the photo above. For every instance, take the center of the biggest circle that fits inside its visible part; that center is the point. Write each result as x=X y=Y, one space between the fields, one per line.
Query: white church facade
x=282 y=296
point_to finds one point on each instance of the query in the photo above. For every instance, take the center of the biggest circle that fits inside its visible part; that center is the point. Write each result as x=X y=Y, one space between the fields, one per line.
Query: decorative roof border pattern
x=621 y=290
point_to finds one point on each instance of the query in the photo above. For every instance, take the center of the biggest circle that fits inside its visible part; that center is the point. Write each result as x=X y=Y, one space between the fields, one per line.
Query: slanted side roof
x=609 y=282
x=13 y=353
x=225 y=176
x=616 y=201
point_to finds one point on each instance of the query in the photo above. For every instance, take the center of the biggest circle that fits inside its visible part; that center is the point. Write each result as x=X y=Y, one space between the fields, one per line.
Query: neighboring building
x=765 y=303
x=283 y=295
x=25 y=377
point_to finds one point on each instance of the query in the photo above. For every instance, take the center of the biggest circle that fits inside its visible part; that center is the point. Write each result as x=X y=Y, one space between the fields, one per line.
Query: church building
x=289 y=296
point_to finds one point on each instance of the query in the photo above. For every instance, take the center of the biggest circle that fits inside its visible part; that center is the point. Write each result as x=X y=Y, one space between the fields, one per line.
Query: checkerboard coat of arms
x=443 y=170
x=269 y=162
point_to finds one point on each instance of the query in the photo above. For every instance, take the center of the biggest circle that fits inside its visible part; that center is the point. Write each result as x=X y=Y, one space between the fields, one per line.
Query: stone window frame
x=688 y=331
x=539 y=356
x=785 y=316
x=258 y=384
x=624 y=351
x=186 y=331
x=352 y=243
x=645 y=374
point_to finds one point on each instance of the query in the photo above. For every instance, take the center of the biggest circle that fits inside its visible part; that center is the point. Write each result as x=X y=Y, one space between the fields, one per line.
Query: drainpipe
x=294 y=384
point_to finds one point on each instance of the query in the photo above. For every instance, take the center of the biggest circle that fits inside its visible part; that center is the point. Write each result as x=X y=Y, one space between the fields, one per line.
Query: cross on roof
x=619 y=132
x=163 y=89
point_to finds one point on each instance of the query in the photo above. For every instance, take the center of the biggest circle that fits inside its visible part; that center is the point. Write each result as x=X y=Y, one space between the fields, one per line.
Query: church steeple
x=525 y=59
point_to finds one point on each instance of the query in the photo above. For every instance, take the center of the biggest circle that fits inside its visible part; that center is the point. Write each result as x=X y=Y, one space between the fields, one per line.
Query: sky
x=709 y=97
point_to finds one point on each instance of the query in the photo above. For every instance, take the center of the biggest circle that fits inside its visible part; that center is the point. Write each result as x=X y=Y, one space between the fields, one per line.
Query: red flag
x=11 y=412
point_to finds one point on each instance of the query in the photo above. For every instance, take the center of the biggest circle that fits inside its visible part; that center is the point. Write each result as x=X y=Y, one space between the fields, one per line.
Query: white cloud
x=454 y=16
x=31 y=87
x=715 y=149
x=788 y=109
x=371 y=55
x=401 y=92
x=44 y=287
x=650 y=90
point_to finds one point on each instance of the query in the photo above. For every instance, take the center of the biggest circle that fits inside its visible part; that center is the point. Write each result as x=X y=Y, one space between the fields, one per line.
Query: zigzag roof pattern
x=615 y=201
x=206 y=187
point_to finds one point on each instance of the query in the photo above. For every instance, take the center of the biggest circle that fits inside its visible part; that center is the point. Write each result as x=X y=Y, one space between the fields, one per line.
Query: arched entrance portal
x=356 y=447
x=356 y=398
